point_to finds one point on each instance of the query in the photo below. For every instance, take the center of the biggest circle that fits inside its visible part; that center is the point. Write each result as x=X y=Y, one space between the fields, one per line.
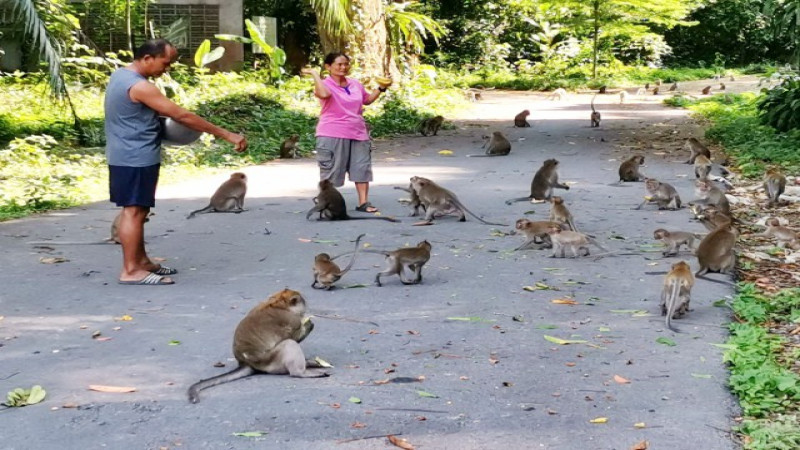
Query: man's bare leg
x=135 y=263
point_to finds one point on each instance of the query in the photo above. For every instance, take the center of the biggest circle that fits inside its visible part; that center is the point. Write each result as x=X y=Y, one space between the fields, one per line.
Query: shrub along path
x=469 y=355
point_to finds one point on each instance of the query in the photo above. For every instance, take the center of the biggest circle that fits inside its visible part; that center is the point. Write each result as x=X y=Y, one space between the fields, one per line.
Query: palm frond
x=333 y=16
x=49 y=48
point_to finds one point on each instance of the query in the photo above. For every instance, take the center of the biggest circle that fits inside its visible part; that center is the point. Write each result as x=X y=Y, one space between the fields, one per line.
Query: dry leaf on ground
x=112 y=389
x=399 y=442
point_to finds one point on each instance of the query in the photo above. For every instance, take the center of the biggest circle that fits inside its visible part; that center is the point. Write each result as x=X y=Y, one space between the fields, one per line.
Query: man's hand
x=239 y=142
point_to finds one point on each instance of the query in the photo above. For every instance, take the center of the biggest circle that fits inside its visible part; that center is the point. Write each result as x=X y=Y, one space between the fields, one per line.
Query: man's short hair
x=152 y=47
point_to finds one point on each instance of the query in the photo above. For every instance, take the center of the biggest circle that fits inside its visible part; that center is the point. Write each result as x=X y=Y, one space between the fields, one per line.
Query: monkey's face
x=239 y=175
x=651 y=185
x=659 y=234
x=640 y=159
x=325 y=184
x=522 y=223
x=556 y=200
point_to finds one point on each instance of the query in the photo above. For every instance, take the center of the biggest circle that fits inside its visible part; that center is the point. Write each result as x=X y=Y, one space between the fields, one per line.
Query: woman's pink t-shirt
x=341 y=112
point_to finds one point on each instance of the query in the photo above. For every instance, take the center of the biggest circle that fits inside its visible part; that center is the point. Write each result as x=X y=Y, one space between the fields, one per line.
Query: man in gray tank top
x=133 y=149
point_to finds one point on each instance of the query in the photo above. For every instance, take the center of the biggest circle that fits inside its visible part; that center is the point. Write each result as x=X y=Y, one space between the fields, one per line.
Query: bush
x=779 y=107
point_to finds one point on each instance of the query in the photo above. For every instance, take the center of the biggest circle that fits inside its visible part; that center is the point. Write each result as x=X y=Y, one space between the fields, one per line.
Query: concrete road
x=465 y=352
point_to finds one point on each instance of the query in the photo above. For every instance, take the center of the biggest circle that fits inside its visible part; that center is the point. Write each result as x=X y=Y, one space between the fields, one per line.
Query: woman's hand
x=310 y=71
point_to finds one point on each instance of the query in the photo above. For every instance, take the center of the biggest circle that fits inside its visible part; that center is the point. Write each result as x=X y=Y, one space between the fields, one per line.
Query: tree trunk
x=596 y=14
x=369 y=22
x=329 y=42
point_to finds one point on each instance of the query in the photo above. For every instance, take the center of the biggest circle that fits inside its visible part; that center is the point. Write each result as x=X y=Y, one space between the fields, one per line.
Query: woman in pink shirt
x=343 y=142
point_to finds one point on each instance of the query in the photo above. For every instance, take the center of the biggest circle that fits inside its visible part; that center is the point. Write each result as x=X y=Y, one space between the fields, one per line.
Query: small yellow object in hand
x=383 y=82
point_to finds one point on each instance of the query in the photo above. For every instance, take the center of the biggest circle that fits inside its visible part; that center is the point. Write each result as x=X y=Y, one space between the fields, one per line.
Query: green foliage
x=779 y=107
x=779 y=433
x=24 y=397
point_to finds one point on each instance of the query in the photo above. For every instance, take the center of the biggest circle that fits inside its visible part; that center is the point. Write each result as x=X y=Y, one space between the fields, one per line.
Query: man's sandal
x=164 y=270
x=150 y=280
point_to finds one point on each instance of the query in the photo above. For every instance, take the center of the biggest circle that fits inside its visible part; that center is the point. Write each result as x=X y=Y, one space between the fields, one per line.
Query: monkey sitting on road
x=675 y=294
x=711 y=195
x=330 y=205
x=706 y=90
x=289 y=147
x=438 y=200
x=674 y=239
x=543 y=183
x=430 y=126
x=521 y=119
x=629 y=169
x=497 y=145
x=715 y=252
x=267 y=340
x=396 y=260
x=663 y=194
x=229 y=197
x=326 y=272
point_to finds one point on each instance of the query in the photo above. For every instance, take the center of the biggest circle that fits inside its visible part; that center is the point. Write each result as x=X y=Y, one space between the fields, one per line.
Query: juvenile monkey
x=595 y=116
x=674 y=87
x=577 y=243
x=559 y=212
x=629 y=169
x=536 y=233
x=602 y=89
x=289 y=147
x=710 y=216
x=229 y=197
x=521 y=119
x=662 y=194
x=702 y=167
x=558 y=94
x=711 y=195
x=675 y=295
x=437 y=199
x=623 y=95
x=543 y=183
x=414 y=201
x=326 y=272
x=715 y=252
x=498 y=145
x=430 y=126
x=784 y=236
x=706 y=90
x=330 y=205
x=774 y=185
x=267 y=340
x=655 y=90
x=722 y=86
x=674 y=239
x=696 y=148
x=412 y=257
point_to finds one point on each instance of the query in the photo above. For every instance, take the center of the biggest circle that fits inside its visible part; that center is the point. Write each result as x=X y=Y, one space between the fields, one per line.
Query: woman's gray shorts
x=336 y=156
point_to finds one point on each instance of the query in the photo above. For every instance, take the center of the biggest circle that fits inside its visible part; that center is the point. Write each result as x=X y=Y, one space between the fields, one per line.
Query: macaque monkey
x=536 y=233
x=676 y=293
x=706 y=90
x=497 y=145
x=711 y=195
x=774 y=185
x=674 y=239
x=326 y=272
x=437 y=199
x=330 y=205
x=784 y=236
x=733 y=78
x=661 y=193
x=414 y=201
x=229 y=197
x=559 y=213
x=722 y=86
x=412 y=257
x=715 y=252
x=702 y=167
x=658 y=82
x=113 y=238
x=696 y=148
x=289 y=147
x=629 y=169
x=710 y=216
x=594 y=116
x=623 y=95
x=674 y=87
x=267 y=340
x=577 y=243
x=656 y=90
x=543 y=183
x=558 y=94
x=717 y=77
x=602 y=90
x=430 y=126
x=641 y=91
x=521 y=119
x=647 y=86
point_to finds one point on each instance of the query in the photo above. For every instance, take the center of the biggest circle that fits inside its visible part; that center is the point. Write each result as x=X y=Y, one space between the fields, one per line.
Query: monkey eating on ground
x=702 y=167
x=784 y=236
x=674 y=239
x=710 y=216
x=437 y=199
x=289 y=147
x=521 y=119
x=330 y=205
x=268 y=340
x=662 y=194
x=711 y=195
x=430 y=126
x=498 y=145
x=536 y=233
x=559 y=213
x=229 y=197
x=774 y=185
x=706 y=90
x=696 y=148
x=543 y=183
x=715 y=252
x=629 y=169
x=595 y=116
x=577 y=243
x=676 y=293
x=326 y=272
x=412 y=257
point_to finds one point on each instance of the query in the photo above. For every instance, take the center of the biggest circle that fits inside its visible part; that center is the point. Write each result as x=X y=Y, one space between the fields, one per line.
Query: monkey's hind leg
x=417 y=269
x=288 y=357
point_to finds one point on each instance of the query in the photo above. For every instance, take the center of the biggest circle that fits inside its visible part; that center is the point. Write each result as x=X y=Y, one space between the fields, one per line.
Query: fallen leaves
x=23 y=397
x=426 y=394
x=666 y=341
x=640 y=446
x=52 y=259
x=446 y=152
x=250 y=433
x=621 y=380
x=564 y=301
x=358 y=425
x=111 y=389
x=560 y=341
x=599 y=420
x=398 y=442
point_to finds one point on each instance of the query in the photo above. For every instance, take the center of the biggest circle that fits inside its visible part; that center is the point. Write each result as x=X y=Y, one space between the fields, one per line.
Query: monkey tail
x=518 y=199
x=672 y=302
x=240 y=372
x=353 y=259
x=207 y=209
x=400 y=188
x=592 y=102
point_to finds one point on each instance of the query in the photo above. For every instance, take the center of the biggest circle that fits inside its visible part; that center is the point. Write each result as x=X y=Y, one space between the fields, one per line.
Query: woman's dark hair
x=331 y=57
x=153 y=47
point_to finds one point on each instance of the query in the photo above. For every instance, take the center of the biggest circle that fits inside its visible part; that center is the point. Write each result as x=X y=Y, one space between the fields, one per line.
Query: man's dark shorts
x=133 y=186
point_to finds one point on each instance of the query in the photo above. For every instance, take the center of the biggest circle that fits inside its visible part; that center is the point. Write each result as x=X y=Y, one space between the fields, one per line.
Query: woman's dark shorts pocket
x=324 y=154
